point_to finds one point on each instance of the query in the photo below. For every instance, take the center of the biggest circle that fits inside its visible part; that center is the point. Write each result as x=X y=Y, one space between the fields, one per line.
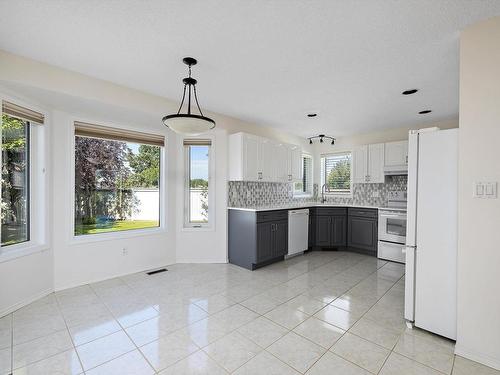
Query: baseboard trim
x=26 y=302
x=475 y=356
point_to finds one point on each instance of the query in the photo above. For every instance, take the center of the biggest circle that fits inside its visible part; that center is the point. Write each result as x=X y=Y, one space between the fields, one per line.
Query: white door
x=251 y=158
x=436 y=250
x=396 y=154
x=359 y=164
x=376 y=163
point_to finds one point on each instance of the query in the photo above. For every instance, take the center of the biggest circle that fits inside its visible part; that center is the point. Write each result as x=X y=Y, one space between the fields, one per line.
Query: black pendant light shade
x=189 y=123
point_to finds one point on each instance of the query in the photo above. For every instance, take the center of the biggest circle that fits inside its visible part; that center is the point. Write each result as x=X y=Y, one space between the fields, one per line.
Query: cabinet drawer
x=330 y=211
x=264 y=216
x=363 y=212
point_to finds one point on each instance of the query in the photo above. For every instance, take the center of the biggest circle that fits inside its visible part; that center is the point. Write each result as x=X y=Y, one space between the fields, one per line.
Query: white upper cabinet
x=396 y=155
x=281 y=162
x=267 y=163
x=253 y=158
x=376 y=163
x=368 y=164
x=244 y=157
x=360 y=164
x=294 y=163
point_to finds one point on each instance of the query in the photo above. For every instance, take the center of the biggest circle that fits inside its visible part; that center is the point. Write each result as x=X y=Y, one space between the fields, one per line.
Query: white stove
x=392 y=228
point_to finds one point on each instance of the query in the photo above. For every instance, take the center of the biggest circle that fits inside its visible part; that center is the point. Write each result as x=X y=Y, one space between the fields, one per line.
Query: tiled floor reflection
x=322 y=313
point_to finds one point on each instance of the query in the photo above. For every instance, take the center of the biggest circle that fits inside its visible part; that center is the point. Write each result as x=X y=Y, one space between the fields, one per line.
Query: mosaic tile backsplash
x=258 y=194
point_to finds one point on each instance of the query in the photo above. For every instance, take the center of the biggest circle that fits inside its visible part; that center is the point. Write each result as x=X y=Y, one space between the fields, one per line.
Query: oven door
x=392 y=226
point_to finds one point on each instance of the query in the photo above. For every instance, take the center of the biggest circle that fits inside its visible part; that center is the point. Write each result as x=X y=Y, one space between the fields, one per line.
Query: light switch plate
x=485 y=190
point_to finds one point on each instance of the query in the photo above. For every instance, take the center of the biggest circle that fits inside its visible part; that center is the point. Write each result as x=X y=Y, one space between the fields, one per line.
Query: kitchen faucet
x=323 y=188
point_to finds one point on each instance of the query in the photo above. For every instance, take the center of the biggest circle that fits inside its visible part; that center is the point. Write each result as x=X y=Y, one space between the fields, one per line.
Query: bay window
x=117 y=180
x=17 y=123
x=198 y=187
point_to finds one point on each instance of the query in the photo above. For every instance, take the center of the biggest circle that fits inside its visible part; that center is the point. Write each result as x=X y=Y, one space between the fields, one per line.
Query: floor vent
x=157 y=271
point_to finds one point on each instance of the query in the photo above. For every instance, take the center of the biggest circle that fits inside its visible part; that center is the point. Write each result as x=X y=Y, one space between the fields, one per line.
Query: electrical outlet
x=124 y=251
x=375 y=194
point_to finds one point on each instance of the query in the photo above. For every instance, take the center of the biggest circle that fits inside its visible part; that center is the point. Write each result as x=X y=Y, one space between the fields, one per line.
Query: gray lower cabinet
x=362 y=230
x=331 y=227
x=257 y=238
x=312 y=228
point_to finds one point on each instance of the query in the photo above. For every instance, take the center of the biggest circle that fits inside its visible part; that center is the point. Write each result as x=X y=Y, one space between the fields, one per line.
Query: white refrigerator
x=431 y=232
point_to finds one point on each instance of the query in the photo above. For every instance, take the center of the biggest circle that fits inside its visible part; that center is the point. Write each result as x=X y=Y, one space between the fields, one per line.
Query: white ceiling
x=269 y=62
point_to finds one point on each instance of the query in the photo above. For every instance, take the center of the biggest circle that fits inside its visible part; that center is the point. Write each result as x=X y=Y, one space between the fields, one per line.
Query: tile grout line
x=69 y=332
x=347 y=330
x=123 y=329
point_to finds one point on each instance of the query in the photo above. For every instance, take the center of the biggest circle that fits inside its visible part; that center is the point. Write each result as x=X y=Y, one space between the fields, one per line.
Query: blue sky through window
x=199 y=162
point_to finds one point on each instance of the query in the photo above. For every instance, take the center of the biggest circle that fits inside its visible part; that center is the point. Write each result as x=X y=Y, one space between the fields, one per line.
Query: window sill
x=339 y=195
x=198 y=229
x=20 y=251
x=302 y=195
x=114 y=236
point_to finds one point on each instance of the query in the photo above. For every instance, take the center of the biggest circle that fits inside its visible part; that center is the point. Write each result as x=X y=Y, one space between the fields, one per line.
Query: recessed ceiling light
x=424 y=112
x=312 y=114
x=409 y=92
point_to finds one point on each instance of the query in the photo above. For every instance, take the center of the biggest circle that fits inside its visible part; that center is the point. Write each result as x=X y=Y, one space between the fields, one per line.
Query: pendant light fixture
x=189 y=123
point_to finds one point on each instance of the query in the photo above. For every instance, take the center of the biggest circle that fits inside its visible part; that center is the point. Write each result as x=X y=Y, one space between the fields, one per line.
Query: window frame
x=305 y=194
x=186 y=224
x=38 y=189
x=337 y=193
x=116 y=235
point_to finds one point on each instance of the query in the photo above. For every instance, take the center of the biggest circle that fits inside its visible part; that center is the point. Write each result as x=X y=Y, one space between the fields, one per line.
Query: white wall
x=97 y=257
x=478 y=317
x=68 y=262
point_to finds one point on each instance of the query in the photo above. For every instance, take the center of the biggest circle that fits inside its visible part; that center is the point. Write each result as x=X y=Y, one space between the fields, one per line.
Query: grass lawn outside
x=115 y=226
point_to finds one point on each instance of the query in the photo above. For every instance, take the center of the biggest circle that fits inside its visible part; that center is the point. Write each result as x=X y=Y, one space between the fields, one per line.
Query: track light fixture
x=321 y=138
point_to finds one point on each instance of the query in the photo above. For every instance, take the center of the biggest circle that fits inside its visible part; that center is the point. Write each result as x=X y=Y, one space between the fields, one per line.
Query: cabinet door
x=295 y=163
x=280 y=241
x=339 y=231
x=312 y=229
x=264 y=241
x=376 y=163
x=323 y=231
x=396 y=154
x=281 y=162
x=362 y=233
x=268 y=161
x=359 y=164
x=251 y=158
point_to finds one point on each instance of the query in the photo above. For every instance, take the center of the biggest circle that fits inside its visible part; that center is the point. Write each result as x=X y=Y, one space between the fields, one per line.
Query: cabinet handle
x=260 y=175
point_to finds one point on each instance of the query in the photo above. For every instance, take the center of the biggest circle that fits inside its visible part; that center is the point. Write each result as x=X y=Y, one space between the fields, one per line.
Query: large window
x=305 y=185
x=197 y=186
x=117 y=180
x=336 y=170
x=15 y=208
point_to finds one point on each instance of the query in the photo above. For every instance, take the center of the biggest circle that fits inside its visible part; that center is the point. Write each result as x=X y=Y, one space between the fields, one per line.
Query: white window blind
x=305 y=186
x=337 y=172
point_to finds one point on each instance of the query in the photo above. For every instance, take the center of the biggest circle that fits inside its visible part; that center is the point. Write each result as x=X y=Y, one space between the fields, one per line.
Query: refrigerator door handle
x=410 y=252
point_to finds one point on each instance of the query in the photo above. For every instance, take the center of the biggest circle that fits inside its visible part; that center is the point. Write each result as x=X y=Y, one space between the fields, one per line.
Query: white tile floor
x=322 y=313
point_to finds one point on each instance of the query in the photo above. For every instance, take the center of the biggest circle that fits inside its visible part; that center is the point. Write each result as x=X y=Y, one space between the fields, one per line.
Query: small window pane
x=337 y=170
x=198 y=186
x=304 y=187
x=15 y=180
x=116 y=186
